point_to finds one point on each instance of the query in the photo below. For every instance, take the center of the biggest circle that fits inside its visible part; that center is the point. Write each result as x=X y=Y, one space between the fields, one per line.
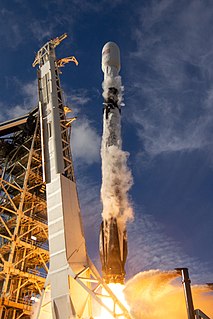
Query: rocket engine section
x=113 y=251
x=113 y=236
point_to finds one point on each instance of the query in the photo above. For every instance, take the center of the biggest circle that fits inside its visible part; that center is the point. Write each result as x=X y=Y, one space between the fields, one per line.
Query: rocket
x=113 y=251
x=113 y=236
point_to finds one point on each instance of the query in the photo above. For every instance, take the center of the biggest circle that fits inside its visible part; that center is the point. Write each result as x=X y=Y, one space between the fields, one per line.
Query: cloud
x=151 y=248
x=41 y=30
x=29 y=94
x=172 y=91
x=17 y=111
x=76 y=98
x=29 y=100
x=10 y=32
x=64 y=13
x=85 y=142
x=93 y=5
x=89 y=195
x=3 y=109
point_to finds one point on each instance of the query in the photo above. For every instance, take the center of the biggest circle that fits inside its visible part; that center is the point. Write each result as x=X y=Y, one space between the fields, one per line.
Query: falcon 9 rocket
x=113 y=236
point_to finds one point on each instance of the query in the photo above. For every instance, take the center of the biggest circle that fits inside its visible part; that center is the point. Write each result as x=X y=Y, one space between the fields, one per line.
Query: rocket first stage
x=113 y=237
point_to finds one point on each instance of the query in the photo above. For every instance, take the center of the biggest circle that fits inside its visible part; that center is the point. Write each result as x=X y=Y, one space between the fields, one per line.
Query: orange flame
x=117 y=289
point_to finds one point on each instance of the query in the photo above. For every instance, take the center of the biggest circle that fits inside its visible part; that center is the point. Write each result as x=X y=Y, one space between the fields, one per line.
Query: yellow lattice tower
x=23 y=220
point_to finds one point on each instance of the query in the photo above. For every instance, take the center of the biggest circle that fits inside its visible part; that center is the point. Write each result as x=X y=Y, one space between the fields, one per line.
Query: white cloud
x=162 y=131
x=89 y=195
x=151 y=248
x=3 y=109
x=10 y=32
x=29 y=96
x=172 y=90
x=17 y=111
x=29 y=91
x=85 y=142
x=76 y=98
x=41 y=30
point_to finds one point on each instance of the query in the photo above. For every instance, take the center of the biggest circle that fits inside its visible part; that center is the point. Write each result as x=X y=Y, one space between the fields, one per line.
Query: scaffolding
x=23 y=219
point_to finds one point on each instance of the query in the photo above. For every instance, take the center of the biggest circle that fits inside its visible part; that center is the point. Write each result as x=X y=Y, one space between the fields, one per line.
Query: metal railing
x=24 y=301
x=42 y=245
x=36 y=273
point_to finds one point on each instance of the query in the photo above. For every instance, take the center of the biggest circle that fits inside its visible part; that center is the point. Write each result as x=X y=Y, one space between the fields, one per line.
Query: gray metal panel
x=75 y=241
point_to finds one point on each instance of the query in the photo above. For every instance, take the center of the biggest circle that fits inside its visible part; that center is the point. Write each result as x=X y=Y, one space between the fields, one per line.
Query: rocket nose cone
x=111 y=56
x=110 y=45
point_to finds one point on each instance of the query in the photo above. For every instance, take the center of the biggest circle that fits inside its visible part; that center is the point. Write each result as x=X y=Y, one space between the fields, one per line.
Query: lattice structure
x=23 y=220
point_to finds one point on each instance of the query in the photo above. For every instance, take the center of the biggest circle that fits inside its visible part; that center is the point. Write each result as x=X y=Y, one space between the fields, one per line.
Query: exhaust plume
x=116 y=176
x=156 y=294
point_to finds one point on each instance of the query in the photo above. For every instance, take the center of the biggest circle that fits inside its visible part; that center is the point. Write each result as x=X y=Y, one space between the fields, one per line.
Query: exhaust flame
x=155 y=294
x=116 y=176
x=117 y=289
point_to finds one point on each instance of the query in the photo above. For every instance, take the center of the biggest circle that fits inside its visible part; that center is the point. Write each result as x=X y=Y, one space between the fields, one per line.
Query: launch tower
x=23 y=222
x=38 y=184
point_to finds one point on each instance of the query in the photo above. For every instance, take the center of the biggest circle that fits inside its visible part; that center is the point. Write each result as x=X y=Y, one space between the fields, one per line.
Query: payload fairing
x=113 y=238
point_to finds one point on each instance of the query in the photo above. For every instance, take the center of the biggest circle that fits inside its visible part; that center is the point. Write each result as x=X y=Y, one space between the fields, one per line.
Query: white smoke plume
x=114 y=82
x=116 y=176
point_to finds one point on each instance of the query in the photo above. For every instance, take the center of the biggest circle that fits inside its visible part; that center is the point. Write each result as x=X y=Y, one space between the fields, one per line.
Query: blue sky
x=167 y=71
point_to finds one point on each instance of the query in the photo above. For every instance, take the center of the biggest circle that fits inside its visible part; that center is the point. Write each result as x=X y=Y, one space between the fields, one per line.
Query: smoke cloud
x=116 y=176
x=156 y=294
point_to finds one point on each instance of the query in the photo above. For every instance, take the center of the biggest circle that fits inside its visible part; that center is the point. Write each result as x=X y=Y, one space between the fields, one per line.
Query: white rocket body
x=112 y=93
x=113 y=240
x=111 y=64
